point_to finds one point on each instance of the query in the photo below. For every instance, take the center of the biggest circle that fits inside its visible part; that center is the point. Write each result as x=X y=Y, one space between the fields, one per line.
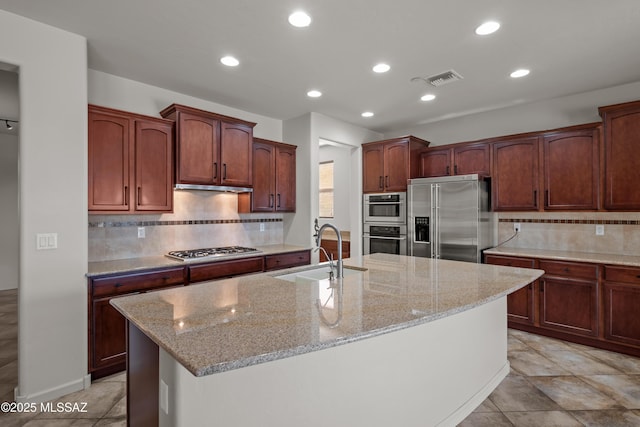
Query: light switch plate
x=141 y=233
x=599 y=230
x=45 y=241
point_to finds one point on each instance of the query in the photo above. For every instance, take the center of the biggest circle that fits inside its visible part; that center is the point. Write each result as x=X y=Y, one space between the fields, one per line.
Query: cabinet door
x=621 y=305
x=372 y=168
x=472 y=158
x=235 y=153
x=109 y=162
x=285 y=179
x=571 y=170
x=515 y=175
x=569 y=305
x=198 y=145
x=622 y=162
x=435 y=163
x=154 y=171
x=396 y=166
x=263 y=196
x=109 y=335
x=520 y=304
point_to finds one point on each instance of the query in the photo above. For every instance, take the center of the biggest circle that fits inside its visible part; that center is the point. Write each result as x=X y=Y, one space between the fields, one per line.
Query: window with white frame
x=325 y=189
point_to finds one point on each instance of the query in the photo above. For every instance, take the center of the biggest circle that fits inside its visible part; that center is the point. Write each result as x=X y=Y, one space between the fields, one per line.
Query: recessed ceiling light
x=381 y=68
x=519 y=73
x=367 y=114
x=299 y=19
x=428 y=97
x=487 y=28
x=229 y=61
x=314 y=93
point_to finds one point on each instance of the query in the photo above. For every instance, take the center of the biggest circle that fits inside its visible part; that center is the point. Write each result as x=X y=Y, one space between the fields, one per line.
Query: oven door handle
x=383 y=237
x=376 y=203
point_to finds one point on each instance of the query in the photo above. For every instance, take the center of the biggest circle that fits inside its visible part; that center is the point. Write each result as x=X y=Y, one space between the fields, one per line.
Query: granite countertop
x=597 y=258
x=132 y=264
x=222 y=325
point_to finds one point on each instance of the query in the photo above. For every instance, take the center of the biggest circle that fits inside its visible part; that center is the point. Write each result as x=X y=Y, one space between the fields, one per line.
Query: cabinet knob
x=126 y=195
x=215 y=170
x=278 y=200
x=387 y=180
x=224 y=171
x=117 y=285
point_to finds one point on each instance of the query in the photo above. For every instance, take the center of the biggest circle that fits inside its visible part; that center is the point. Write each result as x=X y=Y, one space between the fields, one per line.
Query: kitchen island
x=398 y=341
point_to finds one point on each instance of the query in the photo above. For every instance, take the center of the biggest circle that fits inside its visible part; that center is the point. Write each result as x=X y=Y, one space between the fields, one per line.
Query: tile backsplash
x=573 y=231
x=200 y=219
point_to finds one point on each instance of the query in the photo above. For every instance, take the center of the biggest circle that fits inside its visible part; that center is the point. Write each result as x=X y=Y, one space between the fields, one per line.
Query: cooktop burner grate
x=211 y=252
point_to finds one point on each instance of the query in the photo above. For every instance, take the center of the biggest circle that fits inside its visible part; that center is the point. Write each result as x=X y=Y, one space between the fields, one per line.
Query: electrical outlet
x=262 y=226
x=141 y=233
x=164 y=397
x=599 y=230
x=517 y=227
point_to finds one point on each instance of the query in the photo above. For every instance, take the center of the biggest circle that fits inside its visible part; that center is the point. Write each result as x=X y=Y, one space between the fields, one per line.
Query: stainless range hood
x=220 y=188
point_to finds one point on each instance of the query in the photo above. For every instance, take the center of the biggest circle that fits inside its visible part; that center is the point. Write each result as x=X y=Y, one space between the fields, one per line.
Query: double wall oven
x=385 y=223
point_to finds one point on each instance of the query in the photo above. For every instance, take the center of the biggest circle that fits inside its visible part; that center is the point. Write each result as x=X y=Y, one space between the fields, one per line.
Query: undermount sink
x=318 y=273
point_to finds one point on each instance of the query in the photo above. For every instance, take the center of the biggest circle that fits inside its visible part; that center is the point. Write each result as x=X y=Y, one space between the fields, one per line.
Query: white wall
x=9 y=219
x=123 y=94
x=306 y=132
x=549 y=114
x=52 y=343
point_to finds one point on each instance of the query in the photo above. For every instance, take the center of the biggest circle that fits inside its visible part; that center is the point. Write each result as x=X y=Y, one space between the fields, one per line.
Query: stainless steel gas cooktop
x=225 y=251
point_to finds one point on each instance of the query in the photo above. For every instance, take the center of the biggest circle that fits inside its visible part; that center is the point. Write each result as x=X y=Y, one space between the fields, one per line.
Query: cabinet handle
x=117 y=285
x=542 y=286
x=126 y=195
x=387 y=180
x=535 y=198
x=380 y=183
x=455 y=169
x=224 y=171
x=546 y=197
x=566 y=269
x=139 y=190
x=448 y=171
x=215 y=170
x=278 y=200
x=270 y=200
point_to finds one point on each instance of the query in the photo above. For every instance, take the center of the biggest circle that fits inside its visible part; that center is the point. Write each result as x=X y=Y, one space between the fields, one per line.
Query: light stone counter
x=220 y=326
x=143 y=263
x=597 y=258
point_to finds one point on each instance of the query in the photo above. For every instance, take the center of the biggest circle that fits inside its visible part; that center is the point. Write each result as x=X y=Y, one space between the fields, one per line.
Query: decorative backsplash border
x=113 y=224
x=573 y=221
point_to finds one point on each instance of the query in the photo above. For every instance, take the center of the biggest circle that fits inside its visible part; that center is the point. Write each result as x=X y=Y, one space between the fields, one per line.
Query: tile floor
x=552 y=383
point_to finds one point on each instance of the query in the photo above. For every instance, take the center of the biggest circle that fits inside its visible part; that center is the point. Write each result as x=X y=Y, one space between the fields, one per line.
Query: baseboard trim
x=54 y=392
x=470 y=405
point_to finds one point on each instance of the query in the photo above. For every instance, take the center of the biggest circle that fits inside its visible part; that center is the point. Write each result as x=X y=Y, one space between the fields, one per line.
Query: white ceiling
x=571 y=46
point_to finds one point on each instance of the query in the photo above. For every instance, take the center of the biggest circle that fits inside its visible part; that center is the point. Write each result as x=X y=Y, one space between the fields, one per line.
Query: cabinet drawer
x=570 y=269
x=291 y=259
x=224 y=269
x=510 y=261
x=622 y=274
x=116 y=285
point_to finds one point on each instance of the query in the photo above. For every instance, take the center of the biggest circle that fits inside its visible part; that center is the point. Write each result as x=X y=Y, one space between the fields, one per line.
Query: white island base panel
x=433 y=374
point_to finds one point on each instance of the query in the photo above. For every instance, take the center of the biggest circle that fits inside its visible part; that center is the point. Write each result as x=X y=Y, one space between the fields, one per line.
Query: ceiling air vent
x=443 y=78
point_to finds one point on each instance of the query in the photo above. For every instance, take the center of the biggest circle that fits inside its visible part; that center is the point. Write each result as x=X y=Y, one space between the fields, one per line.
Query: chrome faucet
x=318 y=237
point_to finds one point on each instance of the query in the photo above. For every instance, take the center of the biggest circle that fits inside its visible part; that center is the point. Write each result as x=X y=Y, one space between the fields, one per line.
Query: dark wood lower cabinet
x=143 y=385
x=107 y=327
x=586 y=303
x=569 y=305
x=520 y=304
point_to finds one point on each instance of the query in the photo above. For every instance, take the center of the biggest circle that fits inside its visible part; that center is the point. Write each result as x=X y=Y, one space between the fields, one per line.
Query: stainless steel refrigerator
x=449 y=217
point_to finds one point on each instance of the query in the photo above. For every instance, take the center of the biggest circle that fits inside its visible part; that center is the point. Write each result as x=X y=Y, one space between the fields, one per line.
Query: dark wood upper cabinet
x=622 y=156
x=274 y=178
x=459 y=159
x=571 y=169
x=388 y=164
x=515 y=174
x=435 y=162
x=211 y=149
x=130 y=162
